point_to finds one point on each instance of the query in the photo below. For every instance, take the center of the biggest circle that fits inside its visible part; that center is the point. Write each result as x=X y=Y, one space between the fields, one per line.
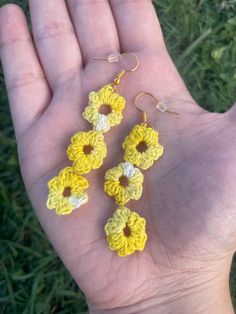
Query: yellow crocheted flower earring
x=125 y=231
x=88 y=149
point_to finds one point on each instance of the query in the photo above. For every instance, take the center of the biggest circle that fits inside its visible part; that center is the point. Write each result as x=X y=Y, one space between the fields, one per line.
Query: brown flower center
x=88 y=149
x=142 y=147
x=124 y=181
x=67 y=191
x=127 y=231
x=105 y=109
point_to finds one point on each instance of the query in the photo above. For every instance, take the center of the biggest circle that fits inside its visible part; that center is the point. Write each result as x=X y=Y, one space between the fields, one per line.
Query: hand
x=189 y=195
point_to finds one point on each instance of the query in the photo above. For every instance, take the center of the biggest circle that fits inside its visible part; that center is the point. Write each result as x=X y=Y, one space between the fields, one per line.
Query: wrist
x=184 y=294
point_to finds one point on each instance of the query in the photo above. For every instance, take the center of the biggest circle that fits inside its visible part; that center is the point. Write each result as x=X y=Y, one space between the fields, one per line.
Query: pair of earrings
x=125 y=231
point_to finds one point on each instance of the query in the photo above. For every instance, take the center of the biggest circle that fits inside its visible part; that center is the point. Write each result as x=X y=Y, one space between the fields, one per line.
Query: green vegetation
x=200 y=36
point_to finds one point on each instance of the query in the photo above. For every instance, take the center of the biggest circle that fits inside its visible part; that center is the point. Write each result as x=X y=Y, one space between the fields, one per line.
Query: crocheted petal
x=150 y=136
x=158 y=151
x=134 y=191
x=138 y=176
x=137 y=133
x=101 y=123
x=76 y=155
x=114 y=226
x=117 y=102
x=79 y=184
x=128 y=142
x=127 y=249
x=138 y=234
x=64 y=172
x=78 y=200
x=122 y=214
x=114 y=174
x=95 y=138
x=102 y=149
x=90 y=114
x=77 y=137
x=122 y=252
x=145 y=161
x=105 y=94
x=94 y=100
x=82 y=165
x=129 y=193
x=137 y=192
x=67 y=177
x=123 y=196
x=140 y=240
x=95 y=160
x=118 y=238
x=132 y=155
x=128 y=169
x=101 y=152
x=111 y=187
x=64 y=210
x=100 y=146
x=85 y=137
x=114 y=118
x=63 y=207
x=135 y=221
x=72 y=179
x=54 y=184
x=154 y=152
x=75 y=149
x=82 y=182
x=117 y=192
x=117 y=241
x=134 y=138
x=53 y=199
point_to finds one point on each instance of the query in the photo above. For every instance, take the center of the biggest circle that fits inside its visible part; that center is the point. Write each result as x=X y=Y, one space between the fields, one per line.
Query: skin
x=189 y=194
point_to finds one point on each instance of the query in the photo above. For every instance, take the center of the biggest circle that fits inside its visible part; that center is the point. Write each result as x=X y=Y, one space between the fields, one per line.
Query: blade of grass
x=193 y=46
x=9 y=287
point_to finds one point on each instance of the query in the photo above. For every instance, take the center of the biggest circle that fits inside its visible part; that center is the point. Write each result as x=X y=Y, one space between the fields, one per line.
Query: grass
x=200 y=36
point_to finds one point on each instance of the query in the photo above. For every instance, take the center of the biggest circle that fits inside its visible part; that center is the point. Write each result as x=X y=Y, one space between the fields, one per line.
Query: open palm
x=189 y=197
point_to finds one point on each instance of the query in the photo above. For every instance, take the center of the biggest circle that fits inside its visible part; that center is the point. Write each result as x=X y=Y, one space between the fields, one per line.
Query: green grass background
x=200 y=36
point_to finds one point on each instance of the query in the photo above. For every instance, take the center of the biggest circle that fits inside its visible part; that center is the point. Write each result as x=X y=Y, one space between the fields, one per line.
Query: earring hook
x=160 y=105
x=116 y=57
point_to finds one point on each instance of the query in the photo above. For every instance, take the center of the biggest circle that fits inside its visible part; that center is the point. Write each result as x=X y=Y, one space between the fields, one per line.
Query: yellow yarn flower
x=104 y=109
x=141 y=146
x=87 y=151
x=66 y=192
x=124 y=182
x=125 y=232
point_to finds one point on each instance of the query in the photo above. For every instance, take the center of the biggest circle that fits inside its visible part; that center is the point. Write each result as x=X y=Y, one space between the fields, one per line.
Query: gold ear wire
x=160 y=105
x=116 y=57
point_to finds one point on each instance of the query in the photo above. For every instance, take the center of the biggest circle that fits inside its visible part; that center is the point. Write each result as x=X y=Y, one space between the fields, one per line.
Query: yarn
x=130 y=188
x=112 y=101
x=141 y=147
x=125 y=232
x=87 y=151
x=66 y=191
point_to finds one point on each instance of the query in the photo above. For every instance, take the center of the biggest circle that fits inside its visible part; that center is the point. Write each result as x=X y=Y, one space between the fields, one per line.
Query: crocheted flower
x=141 y=146
x=66 y=192
x=125 y=232
x=104 y=109
x=124 y=182
x=87 y=151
